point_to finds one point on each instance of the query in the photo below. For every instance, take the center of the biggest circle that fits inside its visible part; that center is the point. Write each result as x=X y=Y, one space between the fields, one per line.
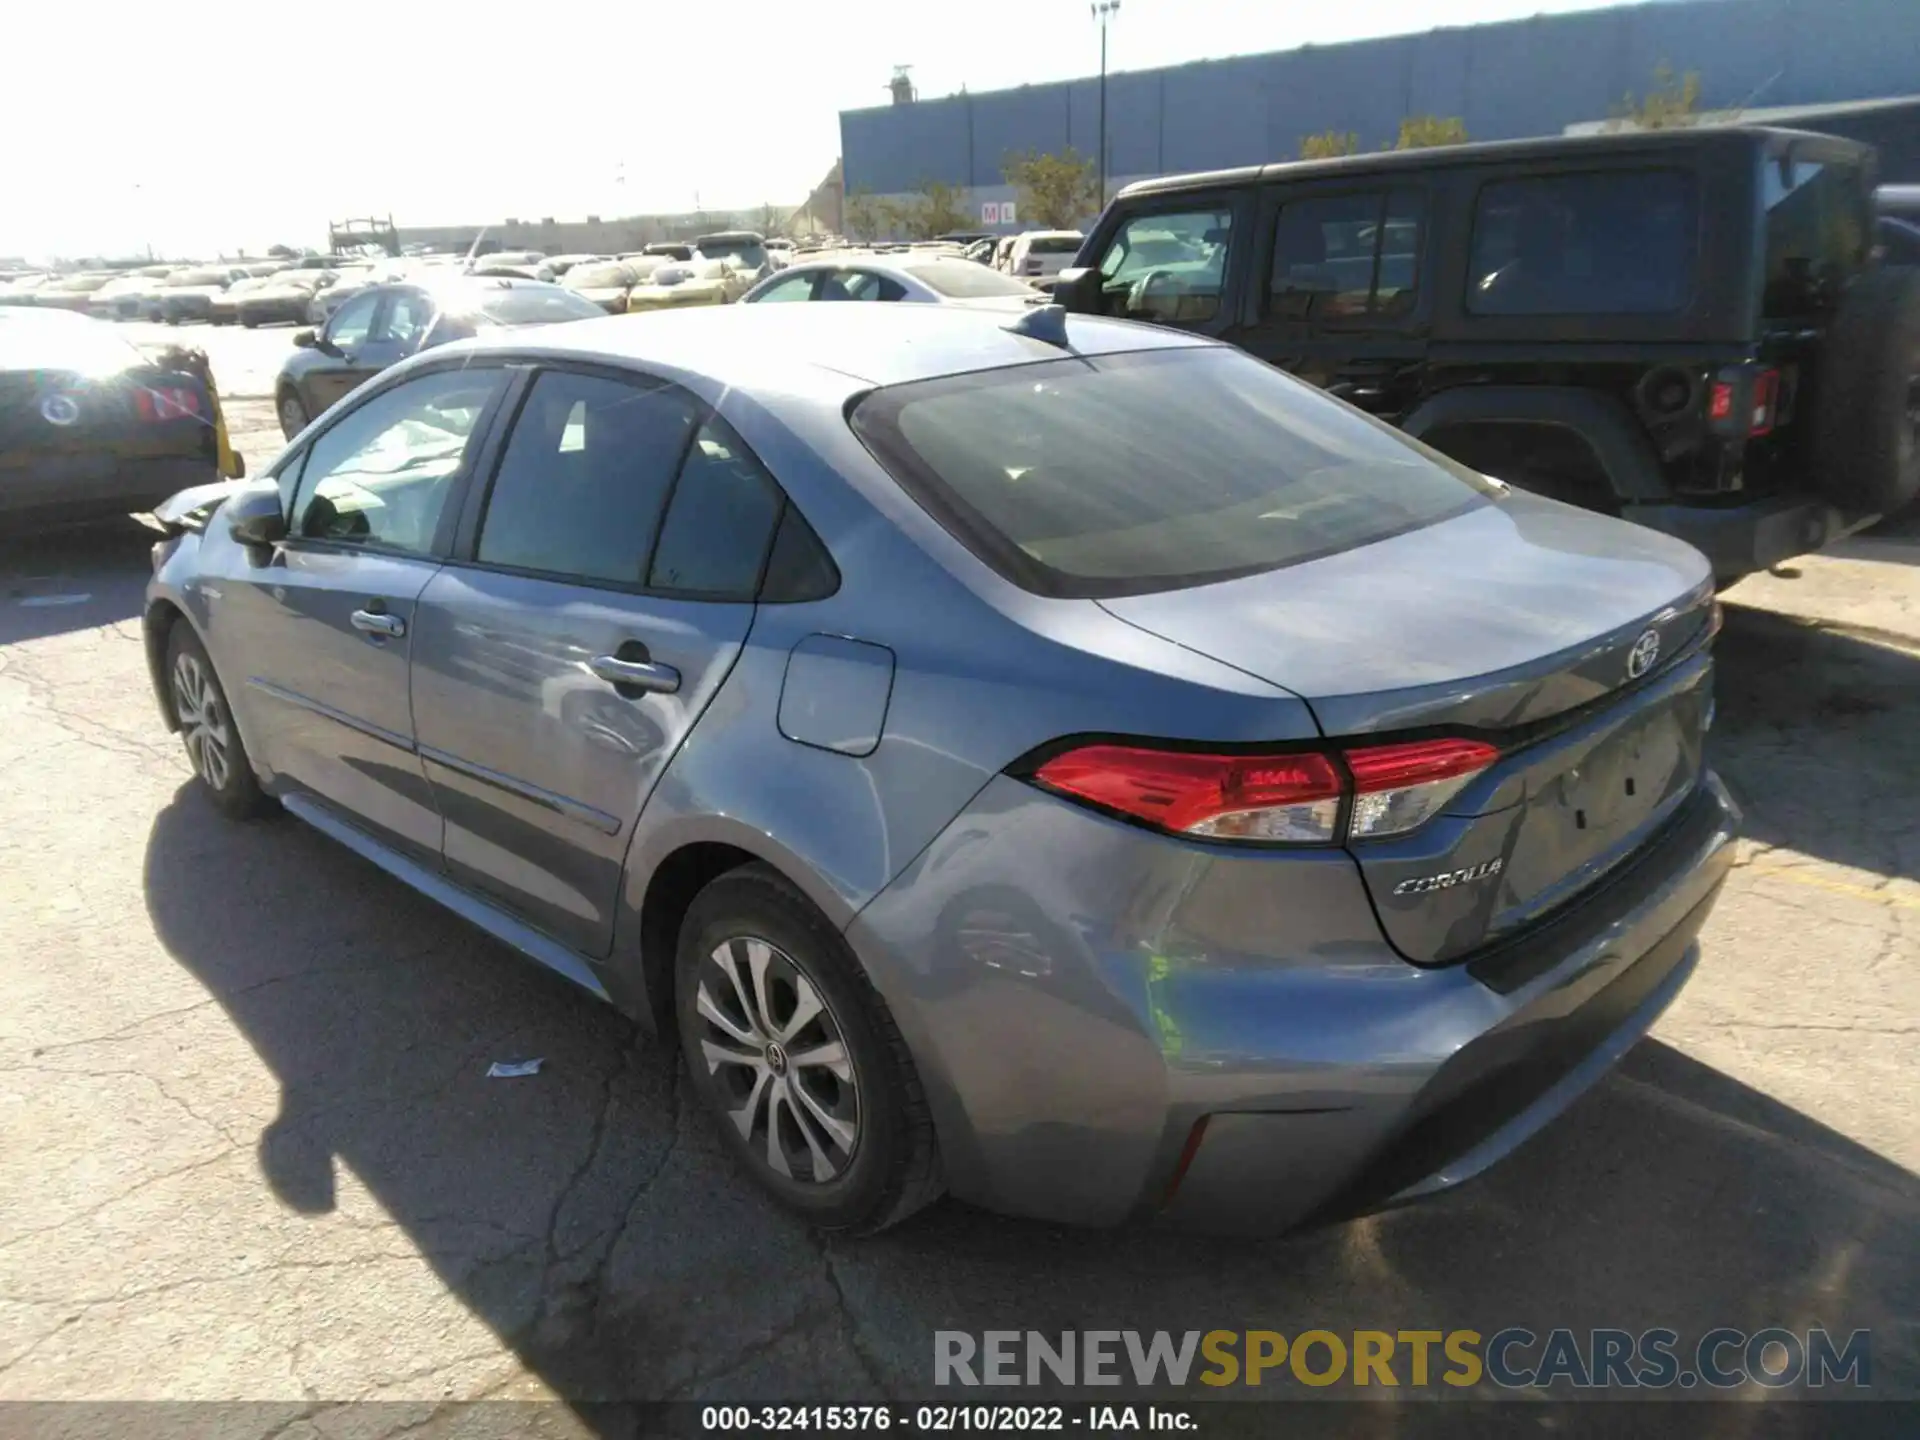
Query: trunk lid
x=46 y=413
x=1575 y=643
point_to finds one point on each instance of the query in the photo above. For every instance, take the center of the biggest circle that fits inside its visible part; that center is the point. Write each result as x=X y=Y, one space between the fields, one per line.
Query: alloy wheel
x=293 y=415
x=777 y=1054
x=204 y=723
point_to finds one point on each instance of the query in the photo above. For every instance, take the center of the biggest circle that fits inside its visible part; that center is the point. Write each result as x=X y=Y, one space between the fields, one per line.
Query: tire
x=208 y=729
x=881 y=1164
x=293 y=414
x=250 y=324
x=1866 y=421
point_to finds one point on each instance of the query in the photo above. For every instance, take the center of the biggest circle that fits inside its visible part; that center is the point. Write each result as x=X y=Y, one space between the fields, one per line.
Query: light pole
x=1103 y=11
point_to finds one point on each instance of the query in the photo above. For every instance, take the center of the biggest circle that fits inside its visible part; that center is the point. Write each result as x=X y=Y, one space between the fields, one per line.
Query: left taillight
x=1307 y=797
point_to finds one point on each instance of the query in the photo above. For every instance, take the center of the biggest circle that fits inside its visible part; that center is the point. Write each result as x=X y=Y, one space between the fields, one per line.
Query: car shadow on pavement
x=76 y=578
x=588 y=1216
x=1818 y=736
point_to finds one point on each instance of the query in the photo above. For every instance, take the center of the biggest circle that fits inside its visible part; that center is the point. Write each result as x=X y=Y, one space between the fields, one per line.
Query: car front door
x=578 y=634
x=341 y=367
x=1342 y=300
x=322 y=630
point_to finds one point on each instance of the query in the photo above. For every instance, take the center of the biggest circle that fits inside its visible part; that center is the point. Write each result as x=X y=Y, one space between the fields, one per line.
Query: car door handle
x=378 y=622
x=648 y=675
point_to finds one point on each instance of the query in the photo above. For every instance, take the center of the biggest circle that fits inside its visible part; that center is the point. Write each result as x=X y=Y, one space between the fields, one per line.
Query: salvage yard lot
x=248 y=1075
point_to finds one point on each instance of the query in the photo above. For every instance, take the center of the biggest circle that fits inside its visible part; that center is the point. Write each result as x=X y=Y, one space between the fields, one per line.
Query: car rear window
x=1054 y=245
x=1599 y=243
x=1123 y=474
x=1818 y=231
x=964 y=280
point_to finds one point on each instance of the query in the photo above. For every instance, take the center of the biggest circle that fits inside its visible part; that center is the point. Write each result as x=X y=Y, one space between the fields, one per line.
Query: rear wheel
x=1866 y=424
x=207 y=728
x=798 y=1059
x=293 y=414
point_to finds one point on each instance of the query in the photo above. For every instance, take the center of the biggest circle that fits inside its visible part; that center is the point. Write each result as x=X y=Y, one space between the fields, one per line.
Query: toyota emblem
x=1645 y=651
x=59 y=409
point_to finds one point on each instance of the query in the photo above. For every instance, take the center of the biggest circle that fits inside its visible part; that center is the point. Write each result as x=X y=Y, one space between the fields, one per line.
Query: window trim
x=1696 y=192
x=378 y=299
x=464 y=551
x=1238 y=202
x=445 y=529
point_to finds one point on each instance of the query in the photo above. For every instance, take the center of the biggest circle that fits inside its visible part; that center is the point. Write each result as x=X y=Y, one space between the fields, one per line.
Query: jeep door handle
x=378 y=622
x=648 y=675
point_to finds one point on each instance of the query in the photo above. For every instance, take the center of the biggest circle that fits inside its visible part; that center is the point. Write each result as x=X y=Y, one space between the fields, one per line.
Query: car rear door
x=578 y=634
x=1339 y=296
x=318 y=637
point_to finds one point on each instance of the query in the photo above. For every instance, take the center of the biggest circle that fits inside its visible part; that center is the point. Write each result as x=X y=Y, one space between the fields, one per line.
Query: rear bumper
x=81 y=486
x=1092 y=1007
x=1746 y=538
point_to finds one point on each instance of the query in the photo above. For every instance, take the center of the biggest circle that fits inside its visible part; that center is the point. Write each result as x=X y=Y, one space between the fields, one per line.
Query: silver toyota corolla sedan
x=1061 y=762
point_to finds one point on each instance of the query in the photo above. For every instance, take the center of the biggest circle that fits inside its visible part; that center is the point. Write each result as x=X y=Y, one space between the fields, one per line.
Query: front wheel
x=293 y=414
x=207 y=728
x=798 y=1059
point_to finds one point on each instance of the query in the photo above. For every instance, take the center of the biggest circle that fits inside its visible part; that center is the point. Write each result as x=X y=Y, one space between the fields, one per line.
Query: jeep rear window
x=1817 y=232
x=1603 y=243
x=1122 y=474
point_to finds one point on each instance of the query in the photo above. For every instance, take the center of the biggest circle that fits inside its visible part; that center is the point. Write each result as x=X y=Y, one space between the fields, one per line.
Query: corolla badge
x=1450 y=878
x=59 y=409
x=1645 y=651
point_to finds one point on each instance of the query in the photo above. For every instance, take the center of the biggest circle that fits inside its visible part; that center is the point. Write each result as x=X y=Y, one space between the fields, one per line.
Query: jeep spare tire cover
x=1865 y=449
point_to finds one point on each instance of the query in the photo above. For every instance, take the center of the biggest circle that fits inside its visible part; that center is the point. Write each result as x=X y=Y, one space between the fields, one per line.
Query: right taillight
x=1295 y=798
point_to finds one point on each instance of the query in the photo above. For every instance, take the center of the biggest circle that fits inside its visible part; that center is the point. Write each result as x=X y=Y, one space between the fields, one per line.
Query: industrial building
x=1525 y=77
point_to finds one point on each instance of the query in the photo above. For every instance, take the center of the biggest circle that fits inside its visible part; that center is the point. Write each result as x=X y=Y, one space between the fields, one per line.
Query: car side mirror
x=255 y=518
x=1078 y=289
x=306 y=339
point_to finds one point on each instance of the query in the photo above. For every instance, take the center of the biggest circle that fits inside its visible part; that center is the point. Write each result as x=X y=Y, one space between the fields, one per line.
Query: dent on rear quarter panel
x=1077 y=992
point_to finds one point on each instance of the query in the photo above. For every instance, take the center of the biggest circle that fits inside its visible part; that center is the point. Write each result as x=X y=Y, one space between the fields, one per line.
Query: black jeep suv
x=1687 y=328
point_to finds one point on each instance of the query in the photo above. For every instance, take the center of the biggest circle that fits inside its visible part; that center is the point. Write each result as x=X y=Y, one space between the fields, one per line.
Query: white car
x=929 y=277
x=1040 y=255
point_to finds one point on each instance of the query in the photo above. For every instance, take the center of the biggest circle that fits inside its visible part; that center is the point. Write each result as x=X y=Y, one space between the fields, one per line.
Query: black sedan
x=384 y=324
x=90 y=426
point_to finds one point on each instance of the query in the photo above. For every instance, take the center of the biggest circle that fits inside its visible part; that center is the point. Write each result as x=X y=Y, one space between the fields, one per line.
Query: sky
x=235 y=125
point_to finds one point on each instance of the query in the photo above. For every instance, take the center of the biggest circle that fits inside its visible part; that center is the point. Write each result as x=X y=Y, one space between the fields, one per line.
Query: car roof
x=1479 y=152
x=869 y=344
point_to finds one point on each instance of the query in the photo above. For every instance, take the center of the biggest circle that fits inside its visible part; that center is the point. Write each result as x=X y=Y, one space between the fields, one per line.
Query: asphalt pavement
x=252 y=1150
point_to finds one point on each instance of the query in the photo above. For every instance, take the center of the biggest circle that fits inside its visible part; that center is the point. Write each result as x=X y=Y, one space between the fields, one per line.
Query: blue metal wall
x=1526 y=77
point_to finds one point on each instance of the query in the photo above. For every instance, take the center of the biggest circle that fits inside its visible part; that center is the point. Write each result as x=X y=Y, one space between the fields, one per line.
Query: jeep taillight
x=1764 y=405
x=1290 y=798
x=1743 y=402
